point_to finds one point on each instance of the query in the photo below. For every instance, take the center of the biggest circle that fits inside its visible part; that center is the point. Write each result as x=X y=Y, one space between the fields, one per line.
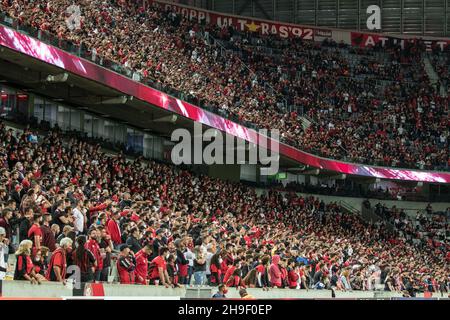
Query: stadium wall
x=51 y=290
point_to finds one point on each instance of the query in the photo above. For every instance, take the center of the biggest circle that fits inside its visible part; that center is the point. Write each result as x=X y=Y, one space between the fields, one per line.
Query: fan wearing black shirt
x=107 y=245
x=158 y=242
x=25 y=224
x=133 y=241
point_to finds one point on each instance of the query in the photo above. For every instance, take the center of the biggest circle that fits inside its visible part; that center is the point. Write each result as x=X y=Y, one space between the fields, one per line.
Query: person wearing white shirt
x=78 y=217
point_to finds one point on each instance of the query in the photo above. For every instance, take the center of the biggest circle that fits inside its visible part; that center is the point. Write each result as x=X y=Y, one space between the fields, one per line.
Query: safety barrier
x=52 y=290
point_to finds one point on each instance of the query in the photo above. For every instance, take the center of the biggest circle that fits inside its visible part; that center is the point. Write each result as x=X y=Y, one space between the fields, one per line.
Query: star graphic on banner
x=253 y=27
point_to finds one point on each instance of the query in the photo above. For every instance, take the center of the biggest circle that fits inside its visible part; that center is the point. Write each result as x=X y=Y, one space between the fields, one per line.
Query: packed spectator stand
x=70 y=201
x=373 y=106
x=67 y=202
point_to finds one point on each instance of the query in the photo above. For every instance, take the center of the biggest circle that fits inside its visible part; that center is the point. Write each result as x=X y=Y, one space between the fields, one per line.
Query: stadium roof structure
x=41 y=68
x=408 y=17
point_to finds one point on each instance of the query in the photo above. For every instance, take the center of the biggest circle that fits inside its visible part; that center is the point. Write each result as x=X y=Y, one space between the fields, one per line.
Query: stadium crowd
x=420 y=229
x=401 y=123
x=69 y=203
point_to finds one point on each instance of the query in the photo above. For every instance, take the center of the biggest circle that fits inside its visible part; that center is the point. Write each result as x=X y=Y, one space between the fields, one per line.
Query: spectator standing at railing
x=106 y=247
x=85 y=260
x=126 y=265
x=275 y=272
x=92 y=244
x=142 y=264
x=57 y=266
x=158 y=268
x=182 y=262
x=24 y=264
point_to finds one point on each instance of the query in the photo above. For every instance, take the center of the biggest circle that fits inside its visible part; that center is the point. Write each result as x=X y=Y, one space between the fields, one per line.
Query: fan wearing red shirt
x=35 y=232
x=275 y=272
x=284 y=274
x=141 y=271
x=24 y=265
x=93 y=246
x=215 y=268
x=158 y=268
x=230 y=271
x=126 y=265
x=293 y=274
x=263 y=272
x=235 y=279
x=113 y=229
x=58 y=263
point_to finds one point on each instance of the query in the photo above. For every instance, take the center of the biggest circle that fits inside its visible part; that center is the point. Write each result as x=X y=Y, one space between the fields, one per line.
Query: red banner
x=264 y=27
x=365 y=40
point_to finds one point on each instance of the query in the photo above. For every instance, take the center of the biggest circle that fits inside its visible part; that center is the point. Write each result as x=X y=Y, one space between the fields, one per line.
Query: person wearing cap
x=3 y=253
x=126 y=265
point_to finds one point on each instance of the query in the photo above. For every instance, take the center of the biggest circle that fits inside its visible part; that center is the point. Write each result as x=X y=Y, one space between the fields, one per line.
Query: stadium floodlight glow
x=168 y=119
x=341 y=176
x=313 y=172
x=117 y=100
x=62 y=77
